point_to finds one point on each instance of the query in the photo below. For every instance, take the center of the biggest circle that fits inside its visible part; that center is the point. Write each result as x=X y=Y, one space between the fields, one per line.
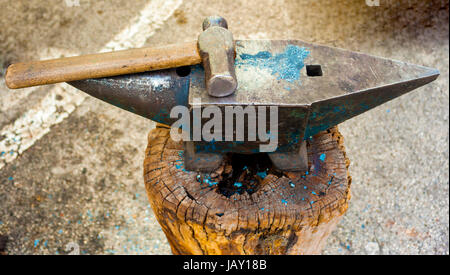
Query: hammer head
x=217 y=49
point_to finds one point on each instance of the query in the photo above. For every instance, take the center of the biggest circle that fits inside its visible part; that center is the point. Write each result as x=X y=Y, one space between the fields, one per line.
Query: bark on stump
x=277 y=213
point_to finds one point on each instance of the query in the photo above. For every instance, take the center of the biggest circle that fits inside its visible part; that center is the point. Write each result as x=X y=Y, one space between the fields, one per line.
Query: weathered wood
x=286 y=213
x=131 y=61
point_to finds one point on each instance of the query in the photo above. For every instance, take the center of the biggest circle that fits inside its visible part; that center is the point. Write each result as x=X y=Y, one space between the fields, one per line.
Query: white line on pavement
x=63 y=99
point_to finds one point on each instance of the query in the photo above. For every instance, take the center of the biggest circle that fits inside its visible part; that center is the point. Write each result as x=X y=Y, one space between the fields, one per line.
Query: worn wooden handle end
x=35 y=73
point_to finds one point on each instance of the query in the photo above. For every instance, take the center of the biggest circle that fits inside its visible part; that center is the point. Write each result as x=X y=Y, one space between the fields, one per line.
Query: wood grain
x=289 y=214
x=28 y=74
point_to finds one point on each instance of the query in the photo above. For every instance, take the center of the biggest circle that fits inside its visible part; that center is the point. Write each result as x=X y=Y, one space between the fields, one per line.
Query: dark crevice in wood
x=244 y=173
x=188 y=194
x=291 y=240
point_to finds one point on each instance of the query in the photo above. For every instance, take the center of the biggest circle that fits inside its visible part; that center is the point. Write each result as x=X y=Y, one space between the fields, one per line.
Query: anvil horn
x=151 y=94
x=359 y=82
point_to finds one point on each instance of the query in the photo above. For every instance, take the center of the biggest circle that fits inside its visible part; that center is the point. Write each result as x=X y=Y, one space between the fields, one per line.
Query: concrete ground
x=71 y=166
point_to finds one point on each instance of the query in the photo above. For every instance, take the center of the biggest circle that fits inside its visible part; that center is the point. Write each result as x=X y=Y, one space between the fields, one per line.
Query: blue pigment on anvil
x=286 y=65
x=262 y=174
x=322 y=157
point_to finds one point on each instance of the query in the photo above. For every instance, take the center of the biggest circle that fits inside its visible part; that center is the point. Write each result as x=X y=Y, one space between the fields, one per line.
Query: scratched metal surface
x=272 y=72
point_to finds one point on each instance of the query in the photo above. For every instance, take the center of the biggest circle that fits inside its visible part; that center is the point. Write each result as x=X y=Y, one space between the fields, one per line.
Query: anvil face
x=314 y=87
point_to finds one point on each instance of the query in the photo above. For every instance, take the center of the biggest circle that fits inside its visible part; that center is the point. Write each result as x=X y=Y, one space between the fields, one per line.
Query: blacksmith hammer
x=214 y=49
x=311 y=87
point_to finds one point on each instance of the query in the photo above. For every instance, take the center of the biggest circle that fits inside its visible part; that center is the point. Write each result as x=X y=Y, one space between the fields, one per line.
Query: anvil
x=314 y=88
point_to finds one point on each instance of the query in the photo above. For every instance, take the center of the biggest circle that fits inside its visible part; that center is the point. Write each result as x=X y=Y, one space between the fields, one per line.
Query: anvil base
x=208 y=162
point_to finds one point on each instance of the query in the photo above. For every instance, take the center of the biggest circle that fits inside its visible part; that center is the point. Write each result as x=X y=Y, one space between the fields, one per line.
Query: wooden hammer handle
x=67 y=69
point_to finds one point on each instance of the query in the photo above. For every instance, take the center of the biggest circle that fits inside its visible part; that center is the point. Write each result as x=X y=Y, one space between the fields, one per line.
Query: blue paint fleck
x=366 y=208
x=285 y=65
x=238 y=184
x=36 y=243
x=284 y=201
x=262 y=174
x=10 y=178
x=212 y=183
x=364 y=106
x=110 y=251
x=322 y=157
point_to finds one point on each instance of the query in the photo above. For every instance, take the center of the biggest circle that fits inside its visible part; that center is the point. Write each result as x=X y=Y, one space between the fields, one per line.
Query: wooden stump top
x=240 y=210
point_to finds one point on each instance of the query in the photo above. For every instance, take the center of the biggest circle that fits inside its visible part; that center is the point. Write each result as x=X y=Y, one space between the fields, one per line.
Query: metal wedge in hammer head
x=217 y=49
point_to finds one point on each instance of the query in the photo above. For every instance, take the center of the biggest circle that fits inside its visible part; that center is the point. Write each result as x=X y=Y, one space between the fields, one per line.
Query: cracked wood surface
x=289 y=214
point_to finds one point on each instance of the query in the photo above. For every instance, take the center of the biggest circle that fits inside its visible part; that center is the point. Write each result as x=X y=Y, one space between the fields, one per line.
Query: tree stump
x=247 y=206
